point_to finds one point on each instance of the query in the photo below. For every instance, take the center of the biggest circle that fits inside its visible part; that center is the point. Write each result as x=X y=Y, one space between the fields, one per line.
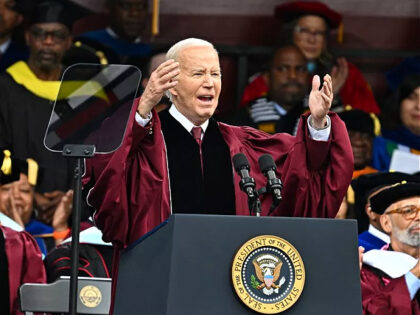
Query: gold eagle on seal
x=267 y=268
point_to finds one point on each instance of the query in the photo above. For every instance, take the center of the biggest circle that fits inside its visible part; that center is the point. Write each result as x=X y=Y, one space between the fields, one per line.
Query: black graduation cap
x=11 y=168
x=60 y=11
x=358 y=120
x=367 y=184
x=396 y=76
x=23 y=6
x=382 y=200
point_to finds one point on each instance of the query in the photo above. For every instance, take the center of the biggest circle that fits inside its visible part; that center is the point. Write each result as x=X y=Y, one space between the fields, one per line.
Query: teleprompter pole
x=79 y=152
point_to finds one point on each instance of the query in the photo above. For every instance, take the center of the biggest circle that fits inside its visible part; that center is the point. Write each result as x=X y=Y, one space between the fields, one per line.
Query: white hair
x=174 y=51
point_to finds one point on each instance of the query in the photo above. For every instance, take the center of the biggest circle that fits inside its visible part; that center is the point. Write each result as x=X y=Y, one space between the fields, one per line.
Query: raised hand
x=339 y=74
x=320 y=100
x=15 y=213
x=47 y=203
x=161 y=80
x=63 y=211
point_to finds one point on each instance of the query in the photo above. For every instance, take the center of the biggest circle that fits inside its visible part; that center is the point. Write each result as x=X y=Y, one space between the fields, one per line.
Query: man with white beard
x=390 y=276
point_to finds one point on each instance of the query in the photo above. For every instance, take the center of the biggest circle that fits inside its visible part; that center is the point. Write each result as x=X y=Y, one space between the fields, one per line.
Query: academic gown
x=24 y=117
x=266 y=115
x=315 y=176
x=369 y=241
x=15 y=52
x=95 y=256
x=131 y=193
x=384 y=295
x=23 y=260
x=35 y=227
x=118 y=50
x=384 y=146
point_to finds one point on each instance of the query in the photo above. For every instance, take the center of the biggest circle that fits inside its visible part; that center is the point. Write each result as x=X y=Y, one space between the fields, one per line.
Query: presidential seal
x=90 y=296
x=268 y=274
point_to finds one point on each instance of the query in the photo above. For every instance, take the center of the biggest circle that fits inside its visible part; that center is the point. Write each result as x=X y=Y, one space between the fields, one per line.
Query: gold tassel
x=6 y=166
x=376 y=124
x=32 y=171
x=340 y=34
x=350 y=195
x=155 y=18
x=102 y=58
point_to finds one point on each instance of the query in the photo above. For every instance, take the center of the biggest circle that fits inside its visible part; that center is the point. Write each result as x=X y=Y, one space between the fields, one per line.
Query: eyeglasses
x=307 y=34
x=408 y=212
x=58 y=36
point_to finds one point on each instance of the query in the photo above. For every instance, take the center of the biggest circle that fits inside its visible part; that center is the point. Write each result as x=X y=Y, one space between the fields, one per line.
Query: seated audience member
x=286 y=99
x=400 y=124
x=95 y=257
x=361 y=128
x=177 y=161
x=20 y=257
x=122 y=40
x=307 y=25
x=27 y=92
x=371 y=234
x=16 y=201
x=390 y=277
x=12 y=49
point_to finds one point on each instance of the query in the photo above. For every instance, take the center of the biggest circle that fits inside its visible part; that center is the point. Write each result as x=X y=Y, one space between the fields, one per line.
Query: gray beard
x=404 y=236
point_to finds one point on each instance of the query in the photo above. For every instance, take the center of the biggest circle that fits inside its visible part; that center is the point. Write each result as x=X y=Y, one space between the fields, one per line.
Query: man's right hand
x=161 y=80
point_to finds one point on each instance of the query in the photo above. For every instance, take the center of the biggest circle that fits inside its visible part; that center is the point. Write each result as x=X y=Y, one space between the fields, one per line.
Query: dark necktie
x=196 y=132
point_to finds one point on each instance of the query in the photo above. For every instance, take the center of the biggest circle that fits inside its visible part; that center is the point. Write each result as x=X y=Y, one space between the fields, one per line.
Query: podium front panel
x=185 y=266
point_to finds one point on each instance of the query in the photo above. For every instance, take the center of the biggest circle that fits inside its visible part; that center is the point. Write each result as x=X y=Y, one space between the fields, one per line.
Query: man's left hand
x=320 y=100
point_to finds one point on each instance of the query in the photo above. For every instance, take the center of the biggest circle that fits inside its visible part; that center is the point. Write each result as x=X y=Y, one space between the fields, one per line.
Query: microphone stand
x=254 y=203
x=255 y=207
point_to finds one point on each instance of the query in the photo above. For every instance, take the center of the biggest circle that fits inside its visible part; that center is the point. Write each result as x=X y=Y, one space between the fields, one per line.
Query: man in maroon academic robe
x=390 y=277
x=162 y=169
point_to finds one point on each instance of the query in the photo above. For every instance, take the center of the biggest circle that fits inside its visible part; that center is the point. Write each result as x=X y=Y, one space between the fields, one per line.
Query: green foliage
x=254 y=282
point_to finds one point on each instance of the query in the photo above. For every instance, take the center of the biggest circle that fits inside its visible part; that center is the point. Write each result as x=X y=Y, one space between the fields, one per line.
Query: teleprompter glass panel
x=93 y=106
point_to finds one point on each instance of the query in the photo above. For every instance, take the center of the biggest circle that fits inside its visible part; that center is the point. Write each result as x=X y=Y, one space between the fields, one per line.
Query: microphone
x=247 y=183
x=274 y=185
